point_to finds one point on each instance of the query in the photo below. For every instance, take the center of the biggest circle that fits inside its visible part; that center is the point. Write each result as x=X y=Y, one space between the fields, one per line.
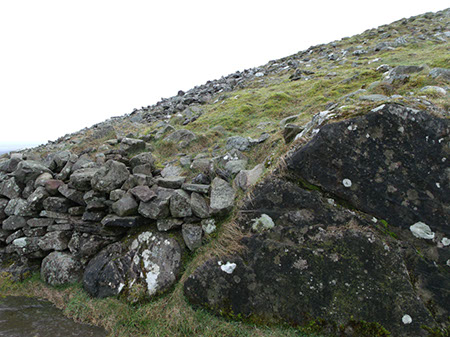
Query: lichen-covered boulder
x=110 y=176
x=353 y=235
x=334 y=276
x=391 y=163
x=60 y=268
x=138 y=267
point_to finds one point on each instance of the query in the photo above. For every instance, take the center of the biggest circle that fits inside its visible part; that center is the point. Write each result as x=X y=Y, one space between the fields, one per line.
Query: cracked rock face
x=137 y=267
x=329 y=255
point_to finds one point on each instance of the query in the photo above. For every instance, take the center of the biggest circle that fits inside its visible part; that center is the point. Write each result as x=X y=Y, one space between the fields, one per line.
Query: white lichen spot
x=444 y=159
x=440 y=140
x=300 y=264
x=422 y=231
x=401 y=129
x=134 y=244
x=264 y=222
x=331 y=201
x=438 y=185
x=445 y=242
x=228 y=267
x=20 y=242
x=352 y=127
x=121 y=285
x=219 y=263
x=144 y=237
x=367 y=136
x=209 y=226
x=448 y=262
x=347 y=183
x=152 y=272
x=374 y=220
x=406 y=319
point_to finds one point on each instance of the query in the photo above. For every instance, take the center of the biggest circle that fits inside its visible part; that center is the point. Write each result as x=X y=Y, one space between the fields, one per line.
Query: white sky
x=65 y=65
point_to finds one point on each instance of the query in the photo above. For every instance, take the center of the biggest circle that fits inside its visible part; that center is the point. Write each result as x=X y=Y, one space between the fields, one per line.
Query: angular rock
x=40 y=222
x=173 y=182
x=60 y=268
x=181 y=137
x=171 y=171
x=116 y=194
x=131 y=145
x=42 y=179
x=247 y=178
x=84 y=246
x=222 y=197
x=110 y=177
x=143 y=193
x=125 y=206
x=164 y=225
x=145 y=158
x=57 y=204
x=36 y=199
x=52 y=186
x=192 y=236
x=199 y=188
x=157 y=208
x=238 y=143
x=57 y=240
x=180 y=205
x=290 y=131
x=29 y=170
x=199 y=206
x=146 y=266
x=81 y=178
x=235 y=166
x=13 y=223
x=18 y=207
x=10 y=189
x=72 y=194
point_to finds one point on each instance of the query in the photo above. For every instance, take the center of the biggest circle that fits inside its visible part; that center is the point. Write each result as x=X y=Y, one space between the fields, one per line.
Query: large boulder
x=110 y=176
x=378 y=162
x=138 y=267
x=352 y=236
x=60 y=268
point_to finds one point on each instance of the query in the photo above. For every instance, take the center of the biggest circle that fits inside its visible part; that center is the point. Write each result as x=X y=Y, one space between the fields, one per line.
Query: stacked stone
x=57 y=214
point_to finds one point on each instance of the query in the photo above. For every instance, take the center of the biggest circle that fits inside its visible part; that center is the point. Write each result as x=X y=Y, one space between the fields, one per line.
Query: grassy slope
x=265 y=100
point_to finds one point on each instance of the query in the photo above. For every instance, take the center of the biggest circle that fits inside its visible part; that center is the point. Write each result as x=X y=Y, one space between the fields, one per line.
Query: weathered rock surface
x=60 y=268
x=377 y=163
x=318 y=261
x=110 y=176
x=138 y=268
x=222 y=197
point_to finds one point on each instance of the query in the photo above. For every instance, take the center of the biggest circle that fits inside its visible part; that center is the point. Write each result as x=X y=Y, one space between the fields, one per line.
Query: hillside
x=305 y=196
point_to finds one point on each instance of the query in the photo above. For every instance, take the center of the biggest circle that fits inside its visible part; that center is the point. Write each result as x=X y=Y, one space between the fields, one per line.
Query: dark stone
x=72 y=194
x=129 y=221
x=110 y=177
x=57 y=204
x=14 y=222
x=378 y=163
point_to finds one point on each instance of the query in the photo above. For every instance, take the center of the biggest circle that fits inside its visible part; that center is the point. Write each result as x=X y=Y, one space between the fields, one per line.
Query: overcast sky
x=65 y=65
